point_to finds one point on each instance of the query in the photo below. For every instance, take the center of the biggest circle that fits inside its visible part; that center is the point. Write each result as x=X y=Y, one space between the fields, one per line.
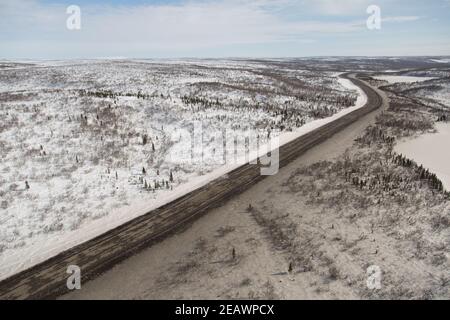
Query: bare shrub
x=440 y=222
x=245 y=282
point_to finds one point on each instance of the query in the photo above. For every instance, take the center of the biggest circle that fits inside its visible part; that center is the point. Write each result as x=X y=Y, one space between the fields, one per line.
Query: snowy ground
x=88 y=145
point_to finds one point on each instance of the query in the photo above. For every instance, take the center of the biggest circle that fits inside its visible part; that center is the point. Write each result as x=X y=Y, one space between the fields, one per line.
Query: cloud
x=338 y=7
x=164 y=26
x=401 y=19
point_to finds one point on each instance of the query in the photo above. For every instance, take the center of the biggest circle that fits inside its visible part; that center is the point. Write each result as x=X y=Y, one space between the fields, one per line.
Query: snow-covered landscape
x=374 y=195
x=251 y=150
x=89 y=145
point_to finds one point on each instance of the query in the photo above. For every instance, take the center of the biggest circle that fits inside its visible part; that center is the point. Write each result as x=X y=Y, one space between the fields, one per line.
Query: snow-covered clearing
x=441 y=60
x=89 y=145
x=402 y=79
x=432 y=151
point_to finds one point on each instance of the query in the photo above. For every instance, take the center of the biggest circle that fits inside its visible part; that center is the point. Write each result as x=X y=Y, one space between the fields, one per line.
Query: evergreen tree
x=144 y=139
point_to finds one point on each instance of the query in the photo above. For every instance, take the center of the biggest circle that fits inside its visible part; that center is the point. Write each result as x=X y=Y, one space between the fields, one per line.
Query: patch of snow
x=362 y=98
x=402 y=79
x=441 y=60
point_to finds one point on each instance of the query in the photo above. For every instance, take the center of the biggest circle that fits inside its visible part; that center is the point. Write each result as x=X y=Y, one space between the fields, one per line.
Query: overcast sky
x=222 y=28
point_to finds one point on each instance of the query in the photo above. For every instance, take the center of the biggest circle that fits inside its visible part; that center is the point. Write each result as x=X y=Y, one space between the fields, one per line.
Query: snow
x=362 y=98
x=441 y=60
x=439 y=92
x=70 y=203
x=432 y=151
x=402 y=79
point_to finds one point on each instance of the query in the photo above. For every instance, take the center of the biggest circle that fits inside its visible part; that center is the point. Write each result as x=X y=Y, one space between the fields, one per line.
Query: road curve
x=48 y=279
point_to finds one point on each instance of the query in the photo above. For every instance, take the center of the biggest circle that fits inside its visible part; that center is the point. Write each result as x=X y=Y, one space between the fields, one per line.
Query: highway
x=48 y=279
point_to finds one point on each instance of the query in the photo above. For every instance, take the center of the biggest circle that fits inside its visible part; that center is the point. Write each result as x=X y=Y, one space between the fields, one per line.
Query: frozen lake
x=432 y=151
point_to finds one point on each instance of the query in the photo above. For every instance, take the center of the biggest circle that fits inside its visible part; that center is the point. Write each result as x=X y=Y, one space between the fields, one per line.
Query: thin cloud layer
x=181 y=28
